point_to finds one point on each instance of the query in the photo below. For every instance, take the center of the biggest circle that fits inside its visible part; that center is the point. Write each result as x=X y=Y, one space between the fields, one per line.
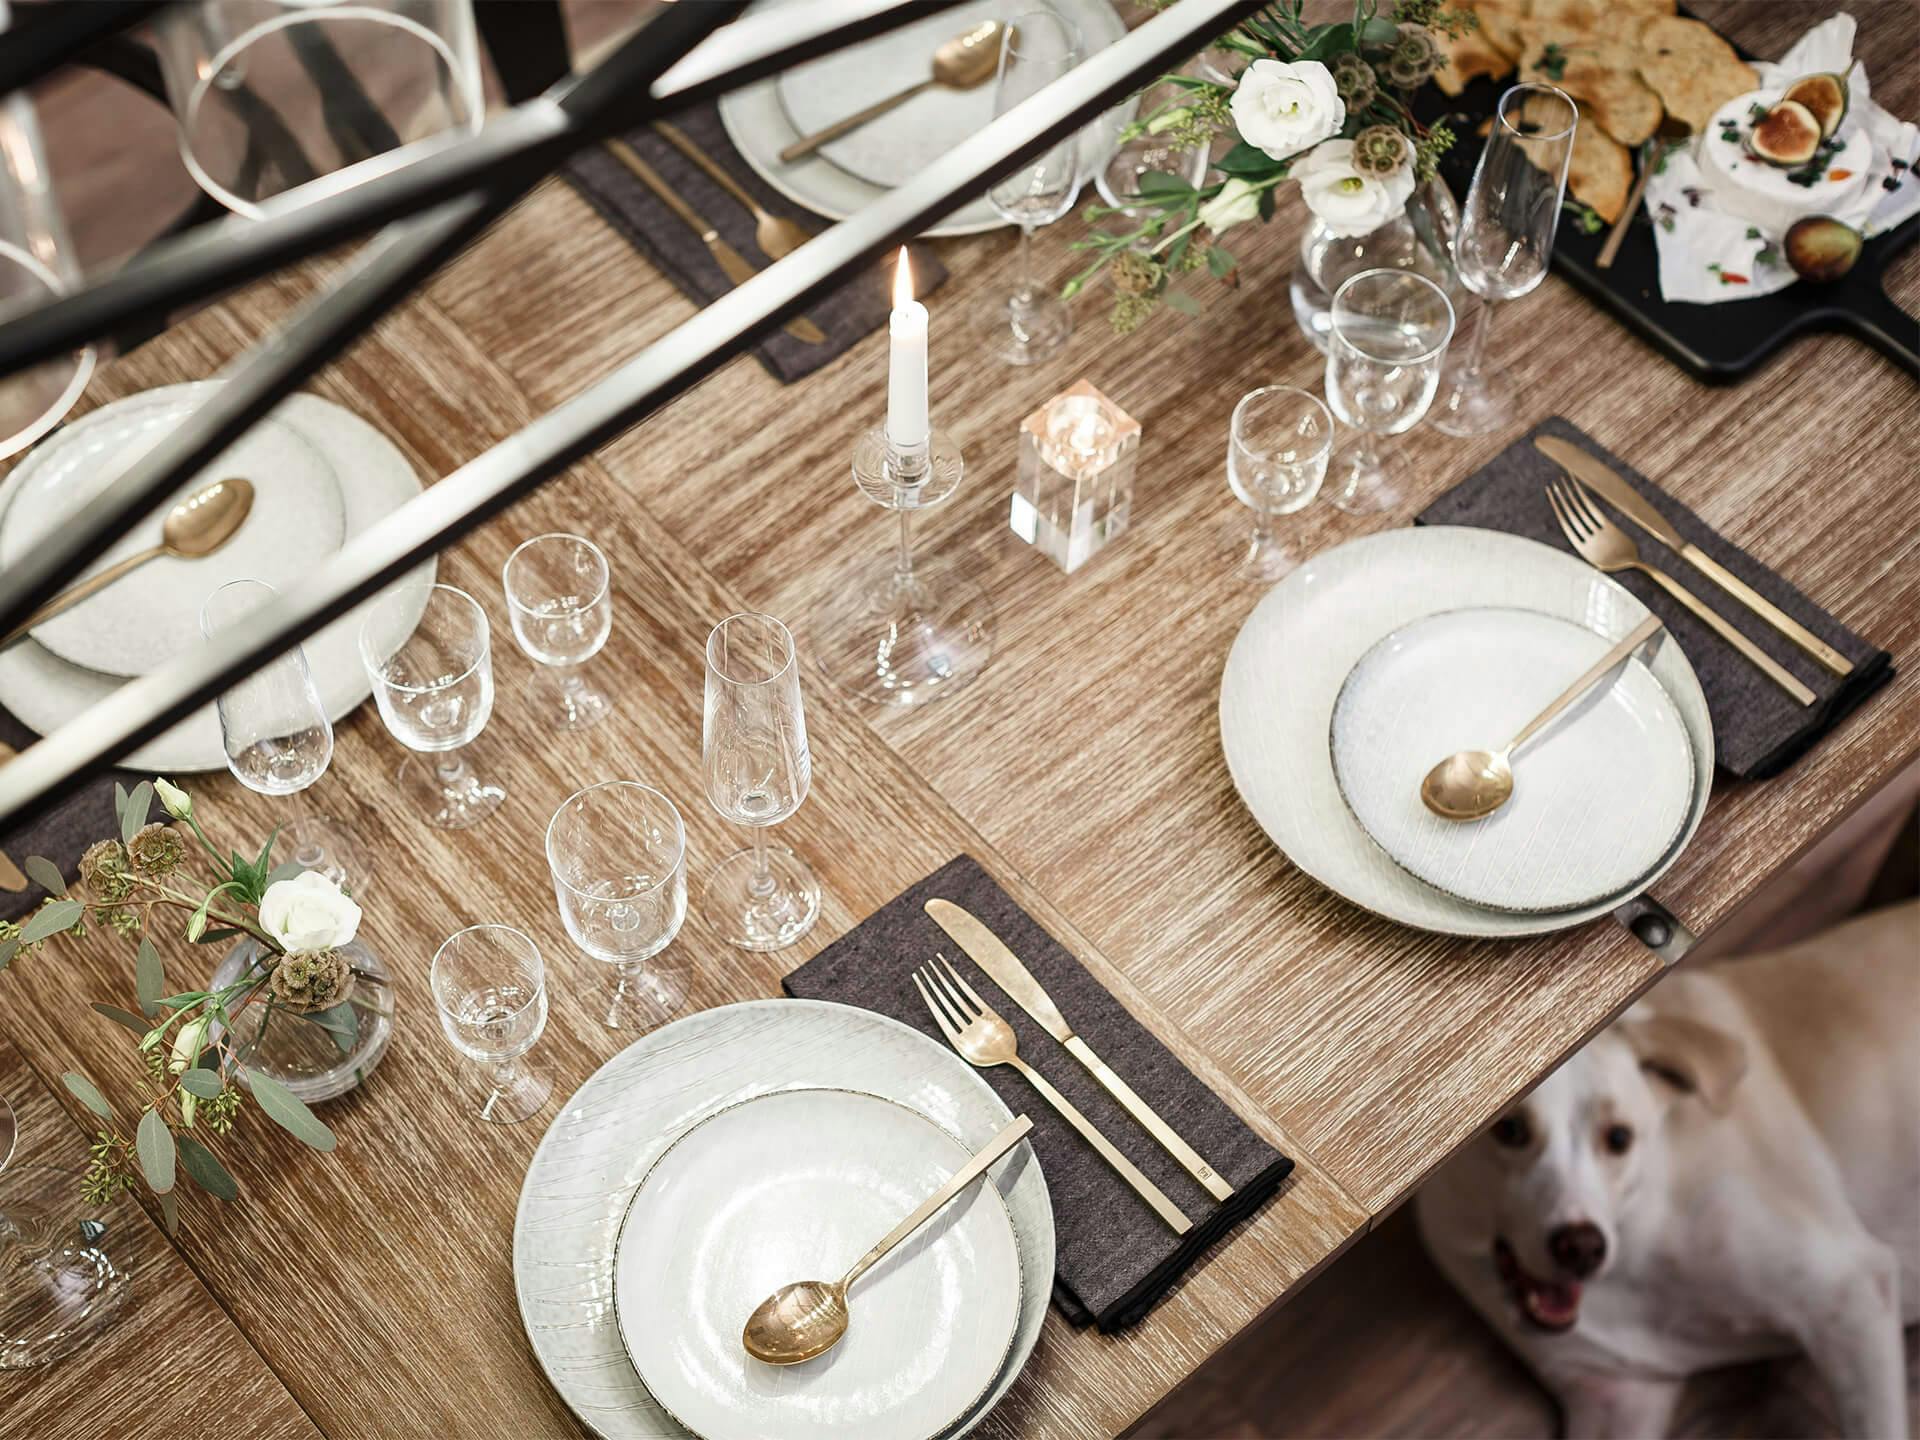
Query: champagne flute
x=1387 y=334
x=278 y=738
x=754 y=751
x=490 y=988
x=1032 y=322
x=1505 y=241
x=1277 y=449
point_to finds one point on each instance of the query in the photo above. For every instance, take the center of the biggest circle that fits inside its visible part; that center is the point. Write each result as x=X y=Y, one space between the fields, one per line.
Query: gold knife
x=987 y=951
x=1634 y=506
x=12 y=877
x=737 y=267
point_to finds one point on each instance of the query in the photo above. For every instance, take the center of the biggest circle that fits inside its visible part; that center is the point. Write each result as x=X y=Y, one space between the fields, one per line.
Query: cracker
x=1468 y=57
x=1692 y=69
x=1603 y=72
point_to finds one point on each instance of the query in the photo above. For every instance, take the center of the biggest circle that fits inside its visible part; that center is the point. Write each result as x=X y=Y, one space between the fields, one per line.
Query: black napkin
x=1758 y=729
x=847 y=315
x=1115 y=1257
x=61 y=834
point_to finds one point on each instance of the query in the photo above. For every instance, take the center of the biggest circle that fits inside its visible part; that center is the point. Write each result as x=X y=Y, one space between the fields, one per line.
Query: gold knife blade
x=990 y=953
x=1631 y=503
x=12 y=877
x=736 y=266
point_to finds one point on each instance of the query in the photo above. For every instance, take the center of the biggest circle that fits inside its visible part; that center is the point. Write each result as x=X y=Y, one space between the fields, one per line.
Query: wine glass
x=559 y=601
x=1277 y=450
x=1387 y=333
x=278 y=738
x=754 y=751
x=1505 y=241
x=433 y=681
x=618 y=853
x=490 y=988
x=1032 y=322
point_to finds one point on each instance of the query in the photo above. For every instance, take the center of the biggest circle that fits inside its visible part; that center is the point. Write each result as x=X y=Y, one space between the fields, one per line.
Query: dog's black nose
x=1578 y=1248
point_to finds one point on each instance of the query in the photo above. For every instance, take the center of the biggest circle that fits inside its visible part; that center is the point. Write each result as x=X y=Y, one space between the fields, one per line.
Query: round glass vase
x=1419 y=238
x=319 y=1054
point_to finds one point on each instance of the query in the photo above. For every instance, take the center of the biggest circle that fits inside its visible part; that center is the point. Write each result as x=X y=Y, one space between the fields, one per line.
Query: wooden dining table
x=369 y=1292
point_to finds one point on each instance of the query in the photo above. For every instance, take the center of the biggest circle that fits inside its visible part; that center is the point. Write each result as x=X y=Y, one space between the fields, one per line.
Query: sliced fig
x=1821 y=248
x=1825 y=96
x=1787 y=135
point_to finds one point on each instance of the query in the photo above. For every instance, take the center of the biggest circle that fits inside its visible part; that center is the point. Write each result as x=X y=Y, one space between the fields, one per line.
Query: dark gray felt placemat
x=1758 y=729
x=61 y=833
x=1115 y=1258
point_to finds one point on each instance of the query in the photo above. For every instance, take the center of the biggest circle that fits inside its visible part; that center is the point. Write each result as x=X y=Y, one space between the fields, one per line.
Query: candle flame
x=902 y=282
x=1086 y=434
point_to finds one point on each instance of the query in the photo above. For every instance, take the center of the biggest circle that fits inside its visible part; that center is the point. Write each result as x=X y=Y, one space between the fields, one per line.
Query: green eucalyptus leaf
x=204 y=1083
x=170 y=1212
x=51 y=920
x=149 y=979
x=1183 y=302
x=124 y=1017
x=1220 y=262
x=153 y=1143
x=119 y=802
x=135 y=815
x=44 y=873
x=286 y=1111
x=340 y=1021
x=205 y=1169
x=8 y=949
x=87 y=1093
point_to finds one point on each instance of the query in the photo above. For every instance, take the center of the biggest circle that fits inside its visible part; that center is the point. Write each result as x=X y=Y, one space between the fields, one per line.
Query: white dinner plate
x=798 y=1185
x=1598 y=796
x=1296 y=649
x=615 y=1126
x=374 y=479
x=758 y=121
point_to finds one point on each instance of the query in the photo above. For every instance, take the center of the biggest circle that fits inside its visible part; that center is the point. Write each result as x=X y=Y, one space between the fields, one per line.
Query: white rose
x=1236 y=203
x=1347 y=201
x=1282 y=109
x=308 y=912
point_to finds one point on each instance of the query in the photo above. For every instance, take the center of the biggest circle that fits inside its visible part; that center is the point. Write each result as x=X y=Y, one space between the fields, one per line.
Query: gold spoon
x=1472 y=784
x=808 y=1317
x=962 y=62
x=193 y=530
x=776 y=235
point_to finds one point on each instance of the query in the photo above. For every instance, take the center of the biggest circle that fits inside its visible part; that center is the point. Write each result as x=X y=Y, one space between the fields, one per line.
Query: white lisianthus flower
x=308 y=912
x=175 y=801
x=1284 y=108
x=1237 y=202
x=187 y=1041
x=1346 y=200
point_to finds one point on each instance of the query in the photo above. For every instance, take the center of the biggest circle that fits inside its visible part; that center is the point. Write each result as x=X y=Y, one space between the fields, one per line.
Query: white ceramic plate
x=798 y=1185
x=45 y=692
x=758 y=121
x=1598 y=796
x=616 y=1125
x=1296 y=649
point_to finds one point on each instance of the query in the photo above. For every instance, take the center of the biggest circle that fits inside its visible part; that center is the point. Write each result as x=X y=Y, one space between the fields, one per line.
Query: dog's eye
x=1512 y=1131
x=1619 y=1139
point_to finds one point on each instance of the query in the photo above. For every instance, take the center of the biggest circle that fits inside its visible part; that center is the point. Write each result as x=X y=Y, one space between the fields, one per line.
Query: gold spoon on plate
x=807 y=1317
x=962 y=62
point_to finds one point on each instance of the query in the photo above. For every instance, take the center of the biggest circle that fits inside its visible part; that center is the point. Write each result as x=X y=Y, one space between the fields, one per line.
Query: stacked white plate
x=775 y=1140
x=1378 y=658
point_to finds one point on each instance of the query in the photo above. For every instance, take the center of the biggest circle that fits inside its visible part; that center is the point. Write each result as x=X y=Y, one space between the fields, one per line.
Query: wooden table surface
x=371 y=1289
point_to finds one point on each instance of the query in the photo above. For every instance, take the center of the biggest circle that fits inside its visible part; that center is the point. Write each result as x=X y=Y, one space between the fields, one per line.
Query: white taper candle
x=907 y=424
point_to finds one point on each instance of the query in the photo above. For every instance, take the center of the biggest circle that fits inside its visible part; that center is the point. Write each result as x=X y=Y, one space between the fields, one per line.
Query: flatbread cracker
x=1610 y=19
x=1691 y=69
x=1500 y=22
x=1604 y=73
x=1600 y=170
x=1469 y=56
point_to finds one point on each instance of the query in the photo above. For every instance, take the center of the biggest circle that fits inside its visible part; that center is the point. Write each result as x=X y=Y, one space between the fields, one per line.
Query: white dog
x=1729 y=1171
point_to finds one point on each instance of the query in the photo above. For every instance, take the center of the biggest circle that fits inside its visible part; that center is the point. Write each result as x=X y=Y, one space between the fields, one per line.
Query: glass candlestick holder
x=899 y=630
x=1073 y=492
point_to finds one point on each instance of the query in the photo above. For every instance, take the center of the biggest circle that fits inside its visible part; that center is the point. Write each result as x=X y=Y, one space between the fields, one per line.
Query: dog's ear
x=1695 y=1059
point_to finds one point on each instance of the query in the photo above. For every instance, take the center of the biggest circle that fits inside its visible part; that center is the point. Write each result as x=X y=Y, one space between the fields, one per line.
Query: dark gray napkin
x=61 y=834
x=847 y=315
x=1115 y=1258
x=1758 y=729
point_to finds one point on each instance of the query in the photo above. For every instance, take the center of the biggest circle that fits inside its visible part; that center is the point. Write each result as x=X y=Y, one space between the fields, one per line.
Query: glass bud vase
x=1420 y=239
x=319 y=1054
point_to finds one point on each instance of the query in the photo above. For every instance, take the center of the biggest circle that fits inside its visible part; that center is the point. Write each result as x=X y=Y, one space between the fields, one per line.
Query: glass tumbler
x=57 y=1285
x=559 y=600
x=490 y=988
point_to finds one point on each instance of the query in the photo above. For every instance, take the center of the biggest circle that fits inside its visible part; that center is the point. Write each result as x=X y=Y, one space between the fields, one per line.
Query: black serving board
x=1716 y=343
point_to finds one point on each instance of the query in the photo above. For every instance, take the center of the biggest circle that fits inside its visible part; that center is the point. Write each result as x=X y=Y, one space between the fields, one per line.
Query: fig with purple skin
x=1825 y=96
x=1821 y=248
x=1787 y=135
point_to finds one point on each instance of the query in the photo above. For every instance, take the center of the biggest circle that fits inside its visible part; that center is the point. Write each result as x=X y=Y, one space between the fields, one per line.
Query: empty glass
x=1387 y=334
x=278 y=738
x=1505 y=241
x=753 y=747
x=618 y=853
x=1032 y=321
x=561 y=606
x=1277 y=450
x=57 y=1285
x=491 y=990
x=433 y=682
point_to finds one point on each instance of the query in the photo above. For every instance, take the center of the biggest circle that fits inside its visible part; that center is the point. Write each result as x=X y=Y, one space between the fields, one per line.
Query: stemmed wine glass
x=1277 y=450
x=490 y=988
x=754 y=751
x=1032 y=322
x=433 y=682
x=278 y=738
x=618 y=853
x=1505 y=241
x=562 y=612
x=1387 y=333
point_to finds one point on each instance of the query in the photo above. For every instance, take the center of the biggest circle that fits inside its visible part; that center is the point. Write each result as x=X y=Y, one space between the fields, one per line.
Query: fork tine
x=939 y=1016
x=955 y=1011
x=1570 y=521
x=978 y=1004
x=1559 y=515
x=951 y=989
x=1589 y=508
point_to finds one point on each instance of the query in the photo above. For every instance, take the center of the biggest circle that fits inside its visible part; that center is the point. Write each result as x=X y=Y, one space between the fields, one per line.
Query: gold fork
x=1605 y=546
x=975 y=1029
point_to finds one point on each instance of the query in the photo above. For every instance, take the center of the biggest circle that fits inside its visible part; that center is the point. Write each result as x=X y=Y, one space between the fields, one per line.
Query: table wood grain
x=1084 y=771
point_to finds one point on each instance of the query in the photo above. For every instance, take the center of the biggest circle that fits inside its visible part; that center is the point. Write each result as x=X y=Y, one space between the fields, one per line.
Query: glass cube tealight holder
x=1074 y=490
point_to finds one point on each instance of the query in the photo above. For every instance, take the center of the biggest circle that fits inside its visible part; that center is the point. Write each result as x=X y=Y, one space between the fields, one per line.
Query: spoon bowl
x=1468 y=784
x=207 y=519
x=797 y=1322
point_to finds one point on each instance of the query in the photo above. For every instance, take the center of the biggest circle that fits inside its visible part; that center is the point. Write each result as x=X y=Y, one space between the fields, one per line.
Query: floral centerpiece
x=1327 y=107
x=188 y=1044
